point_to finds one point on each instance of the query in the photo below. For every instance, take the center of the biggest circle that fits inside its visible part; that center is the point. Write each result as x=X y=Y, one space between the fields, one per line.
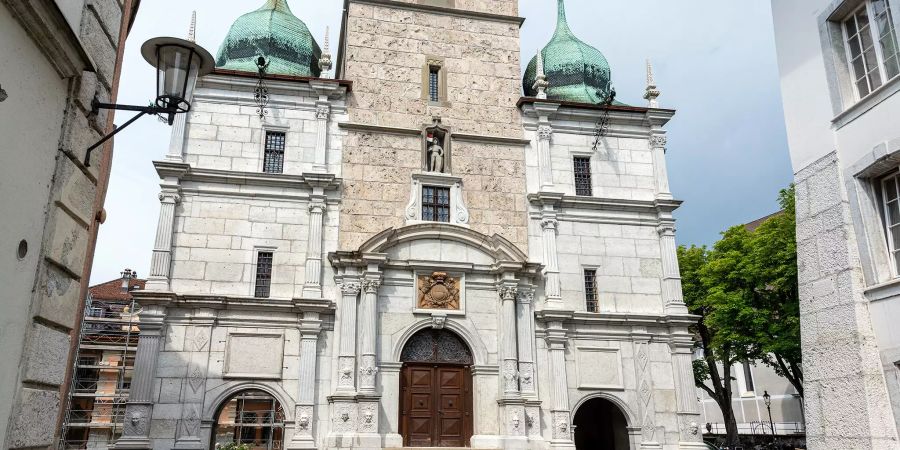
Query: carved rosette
x=658 y=141
x=438 y=291
x=343 y=419
x=533 y=420
x=561 y=425
x=345 y=372
x=304 y=420
x=137 y=419
x=526 y=376
x=367 y=371
x=510 y=376
x=368 y=417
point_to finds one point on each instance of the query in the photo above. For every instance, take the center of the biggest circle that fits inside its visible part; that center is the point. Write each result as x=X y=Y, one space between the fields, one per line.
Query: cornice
x=484 y=139
x=46 y=25
x=518 y=21
x=366 y=128
x=605 y=204
x=185 y=172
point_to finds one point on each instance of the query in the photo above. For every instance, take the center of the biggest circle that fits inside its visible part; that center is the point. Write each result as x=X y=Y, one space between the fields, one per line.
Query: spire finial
x=325 y=59
x=652 y=93
x=192 y=31
x=540 y=83
x=562 y=24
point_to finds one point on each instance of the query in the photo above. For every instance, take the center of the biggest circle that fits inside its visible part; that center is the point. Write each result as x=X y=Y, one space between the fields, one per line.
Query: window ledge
x=883 y=291
x=868 y=102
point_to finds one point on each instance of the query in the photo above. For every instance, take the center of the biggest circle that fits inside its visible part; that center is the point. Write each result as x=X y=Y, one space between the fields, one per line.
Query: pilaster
x=560 y=416
x=368 y=315
x=660 y=169
x=509 y=369
x=671 y=283
x=544 y=141
x=312 y=287
x=323 y=113
x=161 y=260
x=346 y=378
x=303 y=438
x=525 y=337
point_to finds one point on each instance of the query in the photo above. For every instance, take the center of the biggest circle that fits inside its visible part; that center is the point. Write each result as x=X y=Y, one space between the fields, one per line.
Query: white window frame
x=459 y=213
x=893 y=247
x=874 y=33
x=262 y=147
x=741 y=379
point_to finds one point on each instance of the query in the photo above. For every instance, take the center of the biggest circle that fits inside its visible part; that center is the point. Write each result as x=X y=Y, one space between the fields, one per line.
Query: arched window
x=252 y=418
x=436 y=346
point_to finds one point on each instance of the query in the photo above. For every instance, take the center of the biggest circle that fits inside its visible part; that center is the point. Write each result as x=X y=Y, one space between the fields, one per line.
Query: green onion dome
x=576 y=71
x=277 y=34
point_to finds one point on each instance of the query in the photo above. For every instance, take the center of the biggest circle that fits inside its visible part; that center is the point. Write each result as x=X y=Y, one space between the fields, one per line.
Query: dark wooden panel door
x=436 y=408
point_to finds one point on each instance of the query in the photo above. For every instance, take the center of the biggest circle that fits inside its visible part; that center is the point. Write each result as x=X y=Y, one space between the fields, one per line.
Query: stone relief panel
x=243 y=358
x=561 y=425
x=346 y=365
x=517 y=423
x=533 y=420
x=304 y=420
x=526 y=376
x=368 y=417
x=137 y=420
x=438 y=291
x=343 y=418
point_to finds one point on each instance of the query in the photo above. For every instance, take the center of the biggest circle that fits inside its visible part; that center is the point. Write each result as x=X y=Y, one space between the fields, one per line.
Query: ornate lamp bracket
x=602 y=127
x=261 y=93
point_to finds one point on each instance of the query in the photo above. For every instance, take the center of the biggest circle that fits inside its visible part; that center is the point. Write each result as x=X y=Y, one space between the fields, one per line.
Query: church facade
x=426 y=249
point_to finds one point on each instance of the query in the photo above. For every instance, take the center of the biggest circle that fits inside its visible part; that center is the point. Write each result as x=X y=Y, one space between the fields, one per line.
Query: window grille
x=748 y=377
x=273 y=161
x=434 y=83
x=590 y=290
x=436 y=204
x=263 y=274
x=872 y=48
x=583 y=176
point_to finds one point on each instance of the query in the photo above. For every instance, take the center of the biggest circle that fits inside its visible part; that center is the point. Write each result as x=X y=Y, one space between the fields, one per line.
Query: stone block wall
x=846 y=399
x=50 y=280
x=504 y=7
x=215 y=238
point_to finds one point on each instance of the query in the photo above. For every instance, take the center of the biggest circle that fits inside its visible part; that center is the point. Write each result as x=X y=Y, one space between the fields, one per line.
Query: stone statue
x=435 y=155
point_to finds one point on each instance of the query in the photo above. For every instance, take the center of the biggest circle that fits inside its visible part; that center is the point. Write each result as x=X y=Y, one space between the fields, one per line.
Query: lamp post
x=768 y=399
x=178 y=63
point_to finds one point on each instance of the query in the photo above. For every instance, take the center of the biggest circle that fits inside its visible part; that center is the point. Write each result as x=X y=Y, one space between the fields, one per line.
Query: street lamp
x=768 y=399
x=179 y=63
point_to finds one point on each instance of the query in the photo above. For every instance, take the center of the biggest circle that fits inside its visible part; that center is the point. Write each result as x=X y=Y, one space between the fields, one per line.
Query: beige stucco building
x=413 y=252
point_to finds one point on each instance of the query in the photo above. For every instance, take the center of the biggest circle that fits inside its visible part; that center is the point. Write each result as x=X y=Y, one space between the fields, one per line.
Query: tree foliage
x=745 y=291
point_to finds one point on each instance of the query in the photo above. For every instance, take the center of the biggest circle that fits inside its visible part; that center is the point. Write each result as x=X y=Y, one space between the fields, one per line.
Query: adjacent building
x=104 y=363
x=58 y=57
x=839 y=65
x=426 y=249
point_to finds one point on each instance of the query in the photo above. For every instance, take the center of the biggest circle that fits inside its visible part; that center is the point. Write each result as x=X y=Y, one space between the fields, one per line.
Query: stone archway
x=250 y=417
x=599 y=423
x=436 y=390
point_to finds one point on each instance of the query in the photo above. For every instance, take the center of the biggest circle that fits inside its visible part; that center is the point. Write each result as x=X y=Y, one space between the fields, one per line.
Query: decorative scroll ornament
x=438 y=291
x=261 y=93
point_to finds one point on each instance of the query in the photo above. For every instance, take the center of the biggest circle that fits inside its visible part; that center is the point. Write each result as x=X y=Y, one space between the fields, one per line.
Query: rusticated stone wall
x=504 y=7
x=387 y=48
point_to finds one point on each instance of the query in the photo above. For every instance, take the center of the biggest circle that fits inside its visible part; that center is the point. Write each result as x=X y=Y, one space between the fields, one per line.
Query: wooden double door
x=436 y=408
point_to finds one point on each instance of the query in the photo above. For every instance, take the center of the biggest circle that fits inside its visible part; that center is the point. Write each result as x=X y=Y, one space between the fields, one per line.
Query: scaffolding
x=102 y=368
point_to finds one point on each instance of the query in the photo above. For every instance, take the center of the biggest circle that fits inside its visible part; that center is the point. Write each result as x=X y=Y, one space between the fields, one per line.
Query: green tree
x=745 y=292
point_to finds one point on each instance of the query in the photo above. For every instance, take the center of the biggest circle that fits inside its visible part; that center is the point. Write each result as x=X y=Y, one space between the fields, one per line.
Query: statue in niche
x=436 y=148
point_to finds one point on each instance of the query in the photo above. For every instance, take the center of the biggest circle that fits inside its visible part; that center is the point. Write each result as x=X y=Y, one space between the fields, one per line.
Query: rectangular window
x=890 y=186
x=273 y=161
x=583 y=176
x=263 y=274
x=590 y=290
x=748 y=377
x=434 y=77
x=436 y=204
x=872 y=48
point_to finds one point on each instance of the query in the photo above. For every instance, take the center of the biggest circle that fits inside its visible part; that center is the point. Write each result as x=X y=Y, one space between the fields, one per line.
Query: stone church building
x=424 y=249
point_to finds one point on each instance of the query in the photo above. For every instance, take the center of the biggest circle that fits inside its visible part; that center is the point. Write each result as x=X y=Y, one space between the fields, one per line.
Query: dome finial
x=562 y=24
x=540 y=82
x=652 y=93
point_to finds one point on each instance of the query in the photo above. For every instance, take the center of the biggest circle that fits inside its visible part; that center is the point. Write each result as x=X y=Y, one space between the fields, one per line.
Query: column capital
x=371 y=285
x=507 y=291
x=317 y=207
x=169 y=196
x=322 y=111
x=658 y=141
x=526 y=295
x=550 y=222
x=666 y=229
x=350 y=288
x=545 y=132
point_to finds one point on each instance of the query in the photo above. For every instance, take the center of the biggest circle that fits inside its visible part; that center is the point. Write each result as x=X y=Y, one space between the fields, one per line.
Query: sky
x=714 y=62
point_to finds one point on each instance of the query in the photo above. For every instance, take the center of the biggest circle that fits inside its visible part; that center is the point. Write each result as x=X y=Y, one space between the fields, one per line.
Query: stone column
x=687 y=403
x=560 y=421
x=323 y=111
x=545 y=134
x=347 y=351
x=367 y=332
x=671 y=282
x=525 y=335
x=139 y=407
x=549 y=226
x=310 y=328
x=161 y=261
x=509 y=370
x=312 y=287
x=658 y=147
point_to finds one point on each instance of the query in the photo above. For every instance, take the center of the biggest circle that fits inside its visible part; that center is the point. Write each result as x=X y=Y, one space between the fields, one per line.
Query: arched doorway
x=599 y=423
x=253 y=418
x=436 y=390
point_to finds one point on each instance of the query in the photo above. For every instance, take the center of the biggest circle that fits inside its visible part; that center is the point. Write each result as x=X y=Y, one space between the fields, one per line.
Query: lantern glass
x=177 y=70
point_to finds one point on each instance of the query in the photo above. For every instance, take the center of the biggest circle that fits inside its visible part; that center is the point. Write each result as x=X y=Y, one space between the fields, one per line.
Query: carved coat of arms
x=438 y=291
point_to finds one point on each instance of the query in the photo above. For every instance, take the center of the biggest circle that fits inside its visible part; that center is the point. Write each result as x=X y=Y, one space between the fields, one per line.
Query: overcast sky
x=714 y=62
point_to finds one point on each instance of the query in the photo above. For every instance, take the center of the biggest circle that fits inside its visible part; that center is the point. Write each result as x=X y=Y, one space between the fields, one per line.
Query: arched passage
x=599 y=423
x=436 y=390
x=251 y=417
